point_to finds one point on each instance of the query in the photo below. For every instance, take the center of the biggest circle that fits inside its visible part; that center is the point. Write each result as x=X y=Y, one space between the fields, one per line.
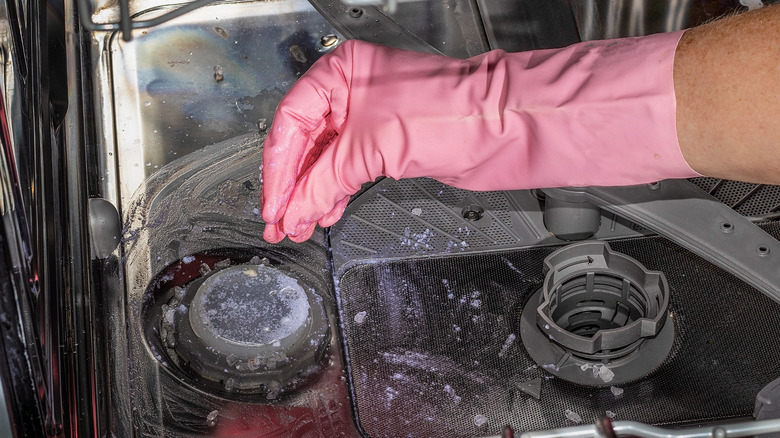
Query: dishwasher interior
x=425 y=310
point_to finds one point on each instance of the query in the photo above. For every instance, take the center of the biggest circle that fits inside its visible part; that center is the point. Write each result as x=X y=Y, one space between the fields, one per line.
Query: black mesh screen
x=435 y=350
x=746 y=198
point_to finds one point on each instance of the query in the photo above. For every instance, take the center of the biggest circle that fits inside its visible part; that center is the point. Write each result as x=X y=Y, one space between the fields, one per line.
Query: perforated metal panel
x=423 y=217
x=746 y=198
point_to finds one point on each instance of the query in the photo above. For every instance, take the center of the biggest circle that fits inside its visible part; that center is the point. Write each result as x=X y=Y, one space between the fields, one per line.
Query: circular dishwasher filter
x=250 y=328
x=249 y=306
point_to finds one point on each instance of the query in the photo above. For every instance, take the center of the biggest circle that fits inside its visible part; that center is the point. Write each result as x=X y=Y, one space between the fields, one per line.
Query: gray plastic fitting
x=595 y=299
x=570 y=220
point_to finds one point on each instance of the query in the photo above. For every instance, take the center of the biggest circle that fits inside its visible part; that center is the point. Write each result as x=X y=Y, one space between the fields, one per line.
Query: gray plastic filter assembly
x=247 y=329
x=600 y=318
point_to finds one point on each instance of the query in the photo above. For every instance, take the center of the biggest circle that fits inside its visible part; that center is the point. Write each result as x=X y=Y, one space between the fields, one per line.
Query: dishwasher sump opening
x=441 y=335
x=200 y=360
x=237 y=325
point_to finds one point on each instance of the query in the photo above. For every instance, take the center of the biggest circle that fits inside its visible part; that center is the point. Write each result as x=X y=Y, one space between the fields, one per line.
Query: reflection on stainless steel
x=105 y=344
x=107 y=14
x=12 y=102
x=167 y=102
x=528 y=24
x=6 y=187
x=622 y=18
x=625 y=18
x=369 y=24
x=104 y=228
x=454 y=27
x=30 y=269
x=677 y=14
x=601 y=19
x=390 y=6
x=13 y=217
x=126 y=23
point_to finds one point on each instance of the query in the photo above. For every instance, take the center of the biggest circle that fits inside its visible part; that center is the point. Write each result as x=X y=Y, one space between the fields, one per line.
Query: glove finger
x=335 y=214
x=272 y=233
x=325 y=185
x=299 y=121
x=303 y=233
x=303 y=126
x=282 y=153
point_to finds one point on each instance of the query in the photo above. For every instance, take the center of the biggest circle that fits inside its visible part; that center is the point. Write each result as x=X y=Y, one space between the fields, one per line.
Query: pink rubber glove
x=596 y=113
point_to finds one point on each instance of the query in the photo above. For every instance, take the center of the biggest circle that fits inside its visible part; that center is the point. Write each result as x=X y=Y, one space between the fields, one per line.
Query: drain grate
x=434 y=346
x=759 y=201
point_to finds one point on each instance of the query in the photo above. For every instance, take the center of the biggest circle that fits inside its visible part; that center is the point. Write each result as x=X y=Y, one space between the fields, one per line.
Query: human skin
x=727 y=86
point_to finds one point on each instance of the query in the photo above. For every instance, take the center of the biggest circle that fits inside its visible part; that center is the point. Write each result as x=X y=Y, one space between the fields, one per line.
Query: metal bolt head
x=355 y=12
x=472 y=213
x=329 y=40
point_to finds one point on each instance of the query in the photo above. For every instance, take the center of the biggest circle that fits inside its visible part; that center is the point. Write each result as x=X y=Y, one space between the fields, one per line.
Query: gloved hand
x=596 y=113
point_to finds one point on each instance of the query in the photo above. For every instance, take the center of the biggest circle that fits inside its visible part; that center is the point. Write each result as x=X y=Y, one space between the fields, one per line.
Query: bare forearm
x=727 y=85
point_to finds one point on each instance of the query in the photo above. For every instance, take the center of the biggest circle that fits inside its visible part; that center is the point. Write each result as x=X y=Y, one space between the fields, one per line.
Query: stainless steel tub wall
x=158 y=99
x=167 y=101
